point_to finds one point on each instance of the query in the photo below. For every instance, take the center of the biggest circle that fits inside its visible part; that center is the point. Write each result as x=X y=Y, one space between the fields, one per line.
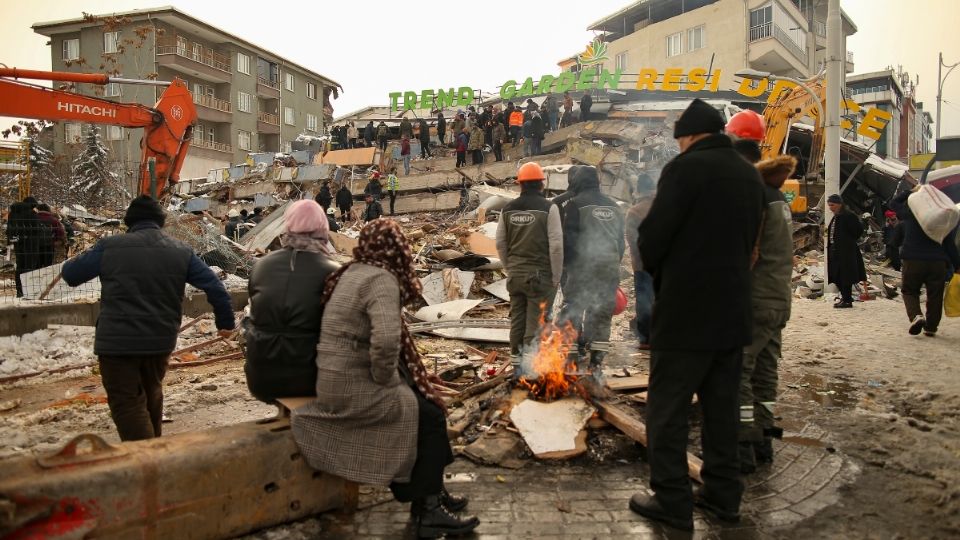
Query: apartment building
x=882 y=90
x=784 y=37
x=248 y=98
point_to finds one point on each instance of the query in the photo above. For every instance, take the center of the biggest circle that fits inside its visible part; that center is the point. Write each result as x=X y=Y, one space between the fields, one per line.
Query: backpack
x=382 y=131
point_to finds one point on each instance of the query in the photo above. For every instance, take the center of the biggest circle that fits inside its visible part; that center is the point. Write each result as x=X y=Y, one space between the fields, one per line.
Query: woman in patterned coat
x=377 y=418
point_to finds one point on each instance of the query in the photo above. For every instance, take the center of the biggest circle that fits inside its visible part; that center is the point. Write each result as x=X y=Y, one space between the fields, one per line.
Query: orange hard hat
x=530 y=172
x=747 y=125
x=621 y=302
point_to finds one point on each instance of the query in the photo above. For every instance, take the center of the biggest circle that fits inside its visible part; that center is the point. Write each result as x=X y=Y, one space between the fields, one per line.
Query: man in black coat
x=344 y=202
x=844 y=260
x=324 y=197
x=441 y=129
x=368 y=133
x=424 y=139
x=142 y=277
x=586 y=102
x=699 y=328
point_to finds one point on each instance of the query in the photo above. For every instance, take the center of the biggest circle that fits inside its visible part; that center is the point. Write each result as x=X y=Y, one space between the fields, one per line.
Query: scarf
x=382 y=244
x=305 y=242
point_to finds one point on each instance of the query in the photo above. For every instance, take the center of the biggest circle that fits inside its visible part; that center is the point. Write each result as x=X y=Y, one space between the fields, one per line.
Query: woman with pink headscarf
x=285 y=289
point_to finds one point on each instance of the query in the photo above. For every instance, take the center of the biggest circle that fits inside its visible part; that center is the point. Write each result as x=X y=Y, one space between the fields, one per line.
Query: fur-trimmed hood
x=775 y=171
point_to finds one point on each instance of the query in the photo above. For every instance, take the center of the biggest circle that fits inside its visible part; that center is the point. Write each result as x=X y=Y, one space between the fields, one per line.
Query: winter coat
x=844 y=260
x=530 y=238
x=476 y=139
x=57 y=232
x=344 y=198
x=332 y=223
x=458 y=125
x=424 y=132
x=375 y=188
x=142 y=277
x=586 y=102
x=31 y=240
x=352 y=132
x=462 y=140
x=773 y=269
x=373 y=211
x=499 y=134
x=633 y=219
x=324 y=197
x=283 y=328
x=406 y=128
x=592 y=233
x=701 y=275
x=917 y=246
x=230 y=229
x=383 y=131
x=537 y=127
x=368 y=132
x=404 y=147
x=363 y=425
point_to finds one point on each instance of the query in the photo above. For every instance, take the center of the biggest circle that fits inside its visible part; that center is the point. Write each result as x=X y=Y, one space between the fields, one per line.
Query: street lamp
x=940 y=81
x=755 y=75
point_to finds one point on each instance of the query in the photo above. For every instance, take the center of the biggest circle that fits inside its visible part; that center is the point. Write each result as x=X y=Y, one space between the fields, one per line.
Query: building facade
x=783 y=37
x=248 y=99
x=882 y=90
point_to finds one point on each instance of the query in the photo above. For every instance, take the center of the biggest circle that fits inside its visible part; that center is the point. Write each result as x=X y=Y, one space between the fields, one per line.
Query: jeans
x=643 y=288
x=406 y=165
x=554 y=117
x=424 y=149
x=383 y=143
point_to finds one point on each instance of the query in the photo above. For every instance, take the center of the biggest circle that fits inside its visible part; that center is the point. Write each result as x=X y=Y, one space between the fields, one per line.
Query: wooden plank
x=623 y=384
x=635 y=429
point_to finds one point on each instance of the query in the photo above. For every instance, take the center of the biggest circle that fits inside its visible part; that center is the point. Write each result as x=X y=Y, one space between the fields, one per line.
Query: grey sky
x=375 y=47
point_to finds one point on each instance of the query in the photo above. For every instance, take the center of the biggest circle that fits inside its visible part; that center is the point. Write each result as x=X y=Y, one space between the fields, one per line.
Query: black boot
x=437 y=521
x=763 y=450
x=452 y=503
x=748 y=461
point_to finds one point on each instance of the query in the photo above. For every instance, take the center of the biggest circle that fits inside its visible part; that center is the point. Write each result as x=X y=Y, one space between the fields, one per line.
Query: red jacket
x=405 y=147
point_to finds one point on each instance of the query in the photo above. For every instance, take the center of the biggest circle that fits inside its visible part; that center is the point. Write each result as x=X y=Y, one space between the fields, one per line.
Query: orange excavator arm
x=167 y=126
x=791 y=104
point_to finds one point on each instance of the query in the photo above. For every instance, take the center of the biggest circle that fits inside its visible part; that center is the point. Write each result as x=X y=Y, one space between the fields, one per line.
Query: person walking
x=463 y=140
x=405 y=154
x=530 y=244
x=383 y=132
x=393 y=185
x=344 y=201
x=324 y=197
x=892 y=239
x=424 y=129
x=925 y=264
x=142 y=277
x=285 y=287
x=475 y=146
x=441 y=129
x=498 y=135
x=642 y=282
x=593 y=246
x=844 y=260
x=374 y=209
x=377 y=418
x=698 y=330
x=586 y=102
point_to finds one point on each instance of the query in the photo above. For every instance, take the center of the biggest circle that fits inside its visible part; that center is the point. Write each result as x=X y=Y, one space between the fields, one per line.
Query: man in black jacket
x=442 y=129
x=424 y=139
x=285 y=287
x=593 y=245
x=368 y=133
x=699 y=329
x=844 y=260
x=344 y=202
x=374 y=209
x=924 y=264
x=324 y=197
x=142 y=276
x=586 y=102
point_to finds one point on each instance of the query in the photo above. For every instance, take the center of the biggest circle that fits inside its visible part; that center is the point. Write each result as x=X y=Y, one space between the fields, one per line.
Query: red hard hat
x=621 y=302
x=747 y=125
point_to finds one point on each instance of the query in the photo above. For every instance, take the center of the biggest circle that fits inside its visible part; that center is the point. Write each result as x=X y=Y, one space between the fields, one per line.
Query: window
x=210 y=135
x=71 y=132
x=695 y=38
x=761 y=17
x=311 y=90
x=311 y=122
x=111 y=90
x=111 y=42
x=243 y=140
x=243 y=102
x=181 y=45
x=71 y=49
x=288 y=81
x=114 y=133
x=674 y=44
x=243 y=63
x=288 y=116
x=622 y=61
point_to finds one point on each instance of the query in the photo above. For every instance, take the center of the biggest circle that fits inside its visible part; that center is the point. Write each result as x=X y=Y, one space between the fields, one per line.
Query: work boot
x=763 y=450
x=435 y=520
x=452 y=503
x=650 y=507
x=748 y=461
x=704 y=502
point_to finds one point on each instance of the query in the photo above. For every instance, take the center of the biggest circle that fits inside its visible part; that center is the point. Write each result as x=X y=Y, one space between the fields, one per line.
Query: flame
x=554 y=374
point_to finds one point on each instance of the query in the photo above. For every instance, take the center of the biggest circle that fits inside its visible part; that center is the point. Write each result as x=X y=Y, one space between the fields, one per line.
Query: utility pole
x=940 y=81
x=835 y=62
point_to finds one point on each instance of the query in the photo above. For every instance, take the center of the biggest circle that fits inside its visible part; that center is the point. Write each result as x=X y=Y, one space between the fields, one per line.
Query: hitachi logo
x=86 y=109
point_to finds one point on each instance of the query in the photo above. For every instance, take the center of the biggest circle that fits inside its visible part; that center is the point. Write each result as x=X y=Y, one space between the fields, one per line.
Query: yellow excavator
x=789 y=105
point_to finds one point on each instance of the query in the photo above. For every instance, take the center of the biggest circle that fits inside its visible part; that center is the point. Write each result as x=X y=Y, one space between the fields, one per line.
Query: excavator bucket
x=167 y=140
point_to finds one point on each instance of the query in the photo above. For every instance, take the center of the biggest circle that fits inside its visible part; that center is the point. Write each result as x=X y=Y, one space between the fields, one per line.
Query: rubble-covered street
x=870 y=446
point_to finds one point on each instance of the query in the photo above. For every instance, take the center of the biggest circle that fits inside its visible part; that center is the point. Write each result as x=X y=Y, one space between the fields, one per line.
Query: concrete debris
x=551 y=427
x=445 y=285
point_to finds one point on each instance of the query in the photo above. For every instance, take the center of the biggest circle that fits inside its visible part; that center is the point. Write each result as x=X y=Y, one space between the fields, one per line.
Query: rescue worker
x=344 y=201
x=257 y=216
x=699 y=329
x=516 y=126
x=231 y=229
x=593 y=246
x=332 y=220
x=142 y=276
x=770 y=296
x=530 y=245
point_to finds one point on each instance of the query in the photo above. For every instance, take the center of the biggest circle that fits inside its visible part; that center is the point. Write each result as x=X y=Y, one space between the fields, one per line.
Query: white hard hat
x=233 y=213
x=331 y=211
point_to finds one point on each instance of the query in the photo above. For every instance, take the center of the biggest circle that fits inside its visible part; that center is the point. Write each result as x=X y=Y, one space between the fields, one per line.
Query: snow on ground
x=56 y=347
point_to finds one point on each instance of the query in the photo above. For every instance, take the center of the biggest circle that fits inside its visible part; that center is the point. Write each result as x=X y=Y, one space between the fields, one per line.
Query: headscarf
x=382 y=244
x=307 y=227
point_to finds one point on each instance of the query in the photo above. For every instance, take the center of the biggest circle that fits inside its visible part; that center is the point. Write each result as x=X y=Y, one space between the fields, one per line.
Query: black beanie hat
x=698 y=118
x=144 y=208
x=835 y=199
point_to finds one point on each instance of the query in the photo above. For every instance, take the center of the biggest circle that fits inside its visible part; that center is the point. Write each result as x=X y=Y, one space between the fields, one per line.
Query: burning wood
x=552 y=375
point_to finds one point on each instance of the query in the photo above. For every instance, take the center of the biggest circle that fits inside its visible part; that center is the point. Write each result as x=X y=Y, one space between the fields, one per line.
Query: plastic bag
x=951 y=302
x=935 y=212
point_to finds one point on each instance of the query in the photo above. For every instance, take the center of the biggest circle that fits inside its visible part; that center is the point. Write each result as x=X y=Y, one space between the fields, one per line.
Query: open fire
x=553 y=376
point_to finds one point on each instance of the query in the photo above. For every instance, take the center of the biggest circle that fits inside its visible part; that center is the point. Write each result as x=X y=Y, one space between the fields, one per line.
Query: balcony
x=267 y=88
x=771 y=49
x=213 y=109
x=212 y=145
x=194 y=59
x=268 y=123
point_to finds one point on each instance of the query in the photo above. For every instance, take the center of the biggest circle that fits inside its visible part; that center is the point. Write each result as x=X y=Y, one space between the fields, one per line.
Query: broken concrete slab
x=500 y=448
x=446 y=285
x=446 y=311
x=482 y=244
x=499 y=289
x=551 y=427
